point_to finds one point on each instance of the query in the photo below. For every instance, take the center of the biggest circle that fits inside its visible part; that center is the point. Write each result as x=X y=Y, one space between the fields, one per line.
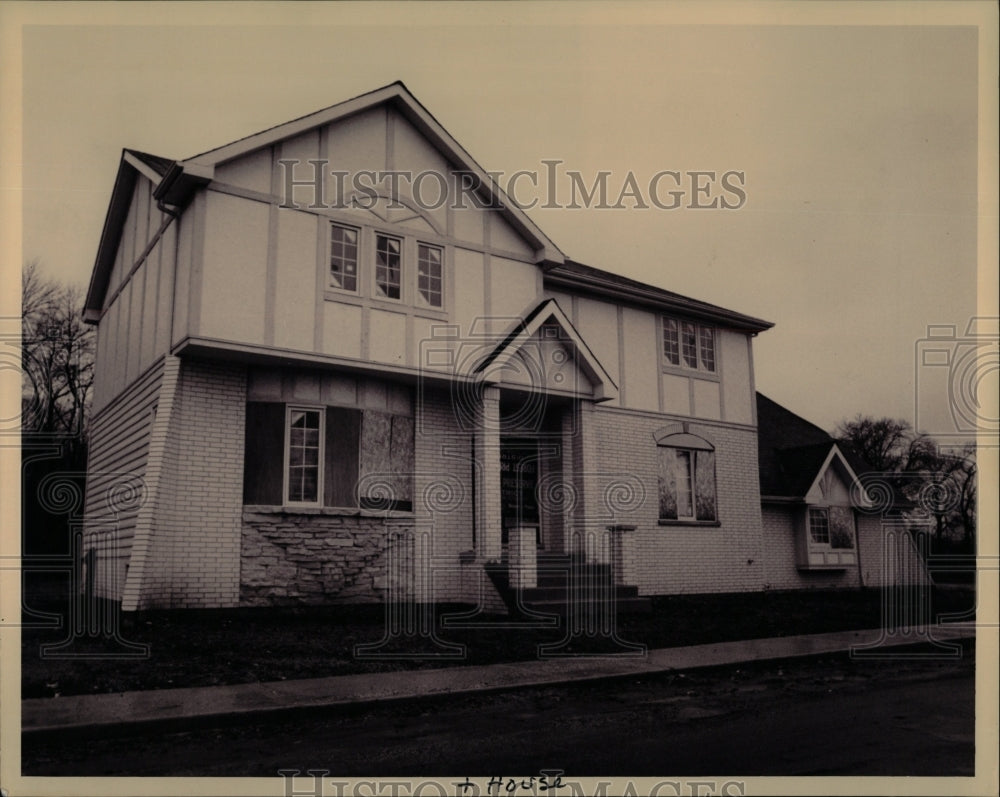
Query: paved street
x=825 y=716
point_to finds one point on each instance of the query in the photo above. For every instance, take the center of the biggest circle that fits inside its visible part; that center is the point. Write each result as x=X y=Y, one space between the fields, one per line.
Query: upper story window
x=429 y=283
x=688 y=345
x=344 y=258
x=388 y=266
x=385 y=267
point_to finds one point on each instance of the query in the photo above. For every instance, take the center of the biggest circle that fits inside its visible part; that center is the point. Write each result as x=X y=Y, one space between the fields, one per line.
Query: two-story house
x=314 y=384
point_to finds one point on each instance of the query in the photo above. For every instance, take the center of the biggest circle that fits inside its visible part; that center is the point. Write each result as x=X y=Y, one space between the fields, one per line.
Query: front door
x=518 y=485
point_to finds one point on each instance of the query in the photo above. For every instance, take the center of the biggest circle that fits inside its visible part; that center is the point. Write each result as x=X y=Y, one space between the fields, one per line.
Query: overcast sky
x=858 y=144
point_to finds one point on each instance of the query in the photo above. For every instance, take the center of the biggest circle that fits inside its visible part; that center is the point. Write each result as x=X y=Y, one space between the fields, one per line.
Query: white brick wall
x=198 y=526
x=780 y=566
x=676 y=558
x=196 y=537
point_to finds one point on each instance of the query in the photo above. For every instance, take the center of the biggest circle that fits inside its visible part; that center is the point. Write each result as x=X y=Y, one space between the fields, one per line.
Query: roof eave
x=651 y=297
x=405 y=103
x=181 y=181
x=107 y=248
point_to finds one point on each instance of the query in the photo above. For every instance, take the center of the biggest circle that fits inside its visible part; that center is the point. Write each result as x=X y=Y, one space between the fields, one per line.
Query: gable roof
x=176 y=181
x=576 y=275
x=130 y=165
x=523 y=331
x=790 y=450
x=188 y=174
x=159 y=166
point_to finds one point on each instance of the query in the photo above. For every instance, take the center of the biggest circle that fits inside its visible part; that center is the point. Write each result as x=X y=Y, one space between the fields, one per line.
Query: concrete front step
x=564 y=579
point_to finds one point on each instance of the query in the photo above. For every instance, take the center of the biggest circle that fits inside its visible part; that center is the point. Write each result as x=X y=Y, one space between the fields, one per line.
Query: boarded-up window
x=264 y=441
x=367 y=457
x=687 y=484
x=386 y=461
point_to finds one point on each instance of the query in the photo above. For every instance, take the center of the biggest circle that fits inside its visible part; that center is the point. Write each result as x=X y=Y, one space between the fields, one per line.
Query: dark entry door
x=518 y=483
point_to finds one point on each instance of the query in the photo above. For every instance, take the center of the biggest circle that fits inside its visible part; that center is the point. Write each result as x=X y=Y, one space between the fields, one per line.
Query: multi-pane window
x=671 y=342
x=687 y=484
x=707 y=350
x=819 y=526
x=304 y=455
x=394 y=260
x=344 y=257
x=688 y=345
x=832 y=526
x=429 y=274
x=841 y=527
x=331 y=456
x=388 y=266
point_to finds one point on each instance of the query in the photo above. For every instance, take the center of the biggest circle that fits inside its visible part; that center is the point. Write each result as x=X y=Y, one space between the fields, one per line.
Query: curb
x=171 y=709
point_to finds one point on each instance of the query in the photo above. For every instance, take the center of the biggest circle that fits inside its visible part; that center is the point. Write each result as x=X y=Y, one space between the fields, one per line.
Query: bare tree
x=887 y=444
x=57 y=357
x=941 y=484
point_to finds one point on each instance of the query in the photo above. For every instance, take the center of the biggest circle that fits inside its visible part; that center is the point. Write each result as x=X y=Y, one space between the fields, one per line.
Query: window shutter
x=343 y=434
x=264 y=455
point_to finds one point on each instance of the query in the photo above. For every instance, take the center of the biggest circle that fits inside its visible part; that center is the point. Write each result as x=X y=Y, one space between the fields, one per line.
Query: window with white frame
x=344 y=258
x=688 y=345
x=831 y=527
x=330 y=456
x=429 y=282
x=686 y=483
x=303 y=455
x=388 y=266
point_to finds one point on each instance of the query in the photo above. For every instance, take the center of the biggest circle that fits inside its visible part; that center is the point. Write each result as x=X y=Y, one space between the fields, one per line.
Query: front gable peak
x=193 y=172
x=545 y=350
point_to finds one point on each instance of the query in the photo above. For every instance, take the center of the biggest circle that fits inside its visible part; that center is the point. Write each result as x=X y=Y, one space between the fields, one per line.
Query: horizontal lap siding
x=116 y=487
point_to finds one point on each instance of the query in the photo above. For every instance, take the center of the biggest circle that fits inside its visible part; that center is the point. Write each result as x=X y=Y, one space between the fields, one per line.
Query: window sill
x=331 y=294
x=697 y=373
x=699 y=523
x=329 y=511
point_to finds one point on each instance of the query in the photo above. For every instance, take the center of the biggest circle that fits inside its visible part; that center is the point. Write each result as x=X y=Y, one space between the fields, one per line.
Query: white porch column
x=488 y=476
x=589 y=535
x=522 y=552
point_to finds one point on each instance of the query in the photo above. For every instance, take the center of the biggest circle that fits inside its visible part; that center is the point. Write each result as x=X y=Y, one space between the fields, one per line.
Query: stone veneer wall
x=300 y=558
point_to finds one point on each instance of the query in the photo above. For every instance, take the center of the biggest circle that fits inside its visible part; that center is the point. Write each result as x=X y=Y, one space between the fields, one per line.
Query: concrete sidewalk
x=172 y=707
